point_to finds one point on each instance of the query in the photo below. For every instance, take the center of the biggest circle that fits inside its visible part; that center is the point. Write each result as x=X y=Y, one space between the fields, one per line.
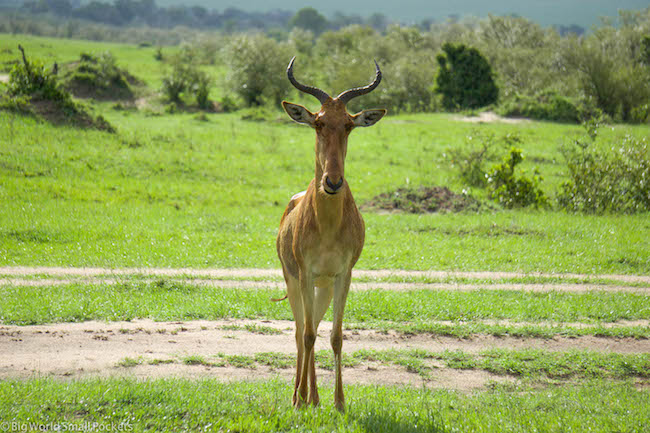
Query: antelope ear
x=368 y=117
x=299 y=113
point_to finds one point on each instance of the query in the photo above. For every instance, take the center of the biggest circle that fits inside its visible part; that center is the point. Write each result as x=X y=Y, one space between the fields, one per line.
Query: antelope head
x=333 y=125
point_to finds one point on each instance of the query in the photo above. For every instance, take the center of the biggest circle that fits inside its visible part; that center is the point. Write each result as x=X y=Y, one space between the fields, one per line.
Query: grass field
x=179 y=191
x=178 y=405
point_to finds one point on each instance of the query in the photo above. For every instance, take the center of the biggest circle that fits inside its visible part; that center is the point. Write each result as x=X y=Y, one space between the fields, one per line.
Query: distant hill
x=546 y=12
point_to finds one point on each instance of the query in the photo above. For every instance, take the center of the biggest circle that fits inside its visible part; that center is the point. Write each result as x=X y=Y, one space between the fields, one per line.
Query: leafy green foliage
x=471 y=161
x=511 y=190
x=186 y=76
x=616 y=180
x=505 y=186
x=256 y=69
x=547 y=106
x=31 y=78
x=609 y=73
x=309 y=19
x=465 y=78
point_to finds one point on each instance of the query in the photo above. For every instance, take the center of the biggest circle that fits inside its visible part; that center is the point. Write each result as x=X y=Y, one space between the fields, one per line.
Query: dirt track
x=77 y=350
x=271 y=278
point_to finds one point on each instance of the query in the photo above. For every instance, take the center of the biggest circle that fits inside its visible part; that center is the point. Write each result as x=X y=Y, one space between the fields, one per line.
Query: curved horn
x=314 y=91
x=358 y=91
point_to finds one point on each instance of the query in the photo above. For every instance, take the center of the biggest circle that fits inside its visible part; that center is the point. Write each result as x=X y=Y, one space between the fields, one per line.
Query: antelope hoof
x=298 y=402
x=340 y=406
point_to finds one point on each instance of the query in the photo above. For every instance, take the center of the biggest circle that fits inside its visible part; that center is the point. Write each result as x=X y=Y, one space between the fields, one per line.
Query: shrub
x=30 y=78
x=616 y=180
x=617 y=83
x=465 y=78
x=256 y=69
x=185 y=76
x=514 y=191
x=547 y=106
x=471 y=162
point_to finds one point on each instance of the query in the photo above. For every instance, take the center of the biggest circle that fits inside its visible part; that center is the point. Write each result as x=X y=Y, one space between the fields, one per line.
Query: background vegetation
x=540 y=72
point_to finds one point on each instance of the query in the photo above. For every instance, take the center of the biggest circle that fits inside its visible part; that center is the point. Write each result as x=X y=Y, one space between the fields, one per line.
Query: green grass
x=528 y=363
x=534 y=364
x=253 y=328
x=528 y=330
x=129 y=362
x=206 y=405
x=81 y=302
x=170 y=191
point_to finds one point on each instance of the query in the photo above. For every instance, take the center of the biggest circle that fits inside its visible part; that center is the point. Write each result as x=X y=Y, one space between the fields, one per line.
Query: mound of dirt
x=34 y=90
x=75 y=115
x=423 y=200
x=98 y=77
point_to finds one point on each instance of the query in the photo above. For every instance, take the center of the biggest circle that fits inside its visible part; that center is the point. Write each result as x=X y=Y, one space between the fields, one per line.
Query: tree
x=256 y=68
x=309 y=19
x=465 y=79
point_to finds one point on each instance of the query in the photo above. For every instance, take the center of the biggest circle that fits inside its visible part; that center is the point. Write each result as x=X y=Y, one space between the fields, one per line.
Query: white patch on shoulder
x=297 y=196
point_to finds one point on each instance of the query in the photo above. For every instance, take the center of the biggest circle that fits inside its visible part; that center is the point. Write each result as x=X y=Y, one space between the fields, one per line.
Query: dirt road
x=272 y=278
x=194 y=349
x=144 y=349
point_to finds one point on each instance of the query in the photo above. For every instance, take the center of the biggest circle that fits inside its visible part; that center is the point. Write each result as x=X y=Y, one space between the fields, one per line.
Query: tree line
x=147 y=12
x=522 y=68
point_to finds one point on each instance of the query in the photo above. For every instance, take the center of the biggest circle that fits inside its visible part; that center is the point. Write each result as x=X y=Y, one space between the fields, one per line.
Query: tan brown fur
x=320 y=239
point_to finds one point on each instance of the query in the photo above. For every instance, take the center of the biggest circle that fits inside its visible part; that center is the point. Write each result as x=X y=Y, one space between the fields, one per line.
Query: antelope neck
x=328 y=208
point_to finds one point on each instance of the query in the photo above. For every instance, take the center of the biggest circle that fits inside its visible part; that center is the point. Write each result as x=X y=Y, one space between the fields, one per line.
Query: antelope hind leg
x=341 y=288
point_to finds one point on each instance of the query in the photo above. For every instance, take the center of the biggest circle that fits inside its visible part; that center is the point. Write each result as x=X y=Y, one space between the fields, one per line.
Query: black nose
x=333 y=186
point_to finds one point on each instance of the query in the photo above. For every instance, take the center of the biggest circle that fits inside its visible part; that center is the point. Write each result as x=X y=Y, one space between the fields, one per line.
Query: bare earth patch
x=158 y=349
x=272 y=278
x=489 y=117
x=147 y=349
x=4 y=78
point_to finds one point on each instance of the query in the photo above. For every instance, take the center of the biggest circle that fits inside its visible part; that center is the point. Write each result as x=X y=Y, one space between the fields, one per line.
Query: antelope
x=322 y=233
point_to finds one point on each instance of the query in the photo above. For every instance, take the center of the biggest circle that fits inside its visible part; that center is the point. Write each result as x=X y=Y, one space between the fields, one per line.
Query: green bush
x=31 y=78
x=185 y=76
x=608 y=73
x=465 y=78
x=513 y=191
x=547 y=106
x=257 y=69
x=616 y=180
x=471 y=162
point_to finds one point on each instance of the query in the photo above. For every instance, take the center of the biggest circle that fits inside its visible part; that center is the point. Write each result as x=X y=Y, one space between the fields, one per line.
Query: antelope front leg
x=341 y=288
x=309 y=338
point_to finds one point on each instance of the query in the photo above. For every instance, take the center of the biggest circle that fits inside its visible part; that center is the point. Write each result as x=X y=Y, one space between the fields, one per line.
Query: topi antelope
x=322 y=233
